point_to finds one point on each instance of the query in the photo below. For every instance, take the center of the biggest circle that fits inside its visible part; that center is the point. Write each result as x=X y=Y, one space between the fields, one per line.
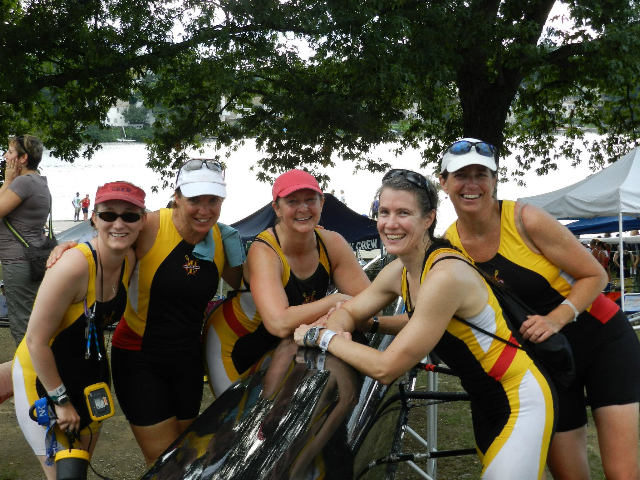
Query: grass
x=455 y=431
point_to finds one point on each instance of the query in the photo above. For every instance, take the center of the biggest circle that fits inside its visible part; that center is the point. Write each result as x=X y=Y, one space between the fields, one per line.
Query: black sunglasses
x=464 y=146
x=413 y=177
x=127 y=217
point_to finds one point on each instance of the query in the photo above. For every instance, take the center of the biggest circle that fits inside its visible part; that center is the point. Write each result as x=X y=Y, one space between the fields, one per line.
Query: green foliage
x=331 y=77
x=136 y=114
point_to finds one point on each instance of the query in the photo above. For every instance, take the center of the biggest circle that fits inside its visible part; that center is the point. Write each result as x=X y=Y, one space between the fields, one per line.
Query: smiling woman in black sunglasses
x=543 y=263
x=157 y=349
x=64 y=351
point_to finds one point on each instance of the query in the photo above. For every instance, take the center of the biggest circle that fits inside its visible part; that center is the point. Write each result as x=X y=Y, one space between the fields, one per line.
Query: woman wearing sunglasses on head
x=25 y=201
x=285 y=280
x=543 y=263
x=156 y=356
x=63 y=351
x=511 y=401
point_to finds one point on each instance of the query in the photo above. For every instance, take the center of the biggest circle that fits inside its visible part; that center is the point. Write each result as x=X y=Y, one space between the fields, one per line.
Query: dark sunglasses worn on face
x=413 y=177
x=464 y=146
x=127 y=217
x=198 y=163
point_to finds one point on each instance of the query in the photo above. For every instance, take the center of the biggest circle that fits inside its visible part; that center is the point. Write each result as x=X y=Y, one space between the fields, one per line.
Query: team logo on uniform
x=309 y=298
x=497 y=278
x=191 y=266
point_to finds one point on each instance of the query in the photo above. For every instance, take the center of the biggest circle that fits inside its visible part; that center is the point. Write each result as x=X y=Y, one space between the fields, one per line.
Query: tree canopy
x=331 y=76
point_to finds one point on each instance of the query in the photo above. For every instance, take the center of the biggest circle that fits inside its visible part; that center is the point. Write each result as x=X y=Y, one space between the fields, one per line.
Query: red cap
x=294 y=180
x=120 y=191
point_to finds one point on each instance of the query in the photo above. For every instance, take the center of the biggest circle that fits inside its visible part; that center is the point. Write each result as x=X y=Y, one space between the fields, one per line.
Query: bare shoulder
x=70 y=267
x=147 y=236
x=536 y=219
x=337 y=247
x=390 y=277
x=262 y=259
x=334 y=241
x=456 y=273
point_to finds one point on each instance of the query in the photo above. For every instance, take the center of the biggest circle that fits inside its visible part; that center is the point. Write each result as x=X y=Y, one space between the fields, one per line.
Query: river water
x=126 y=161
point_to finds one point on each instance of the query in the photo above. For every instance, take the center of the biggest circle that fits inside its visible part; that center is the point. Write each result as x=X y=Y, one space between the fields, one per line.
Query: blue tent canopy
x=603 y=225
x=360 y=231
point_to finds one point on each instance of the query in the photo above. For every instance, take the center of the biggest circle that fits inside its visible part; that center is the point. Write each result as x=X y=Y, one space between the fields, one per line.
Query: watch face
x=308 y=337
x=63 y=400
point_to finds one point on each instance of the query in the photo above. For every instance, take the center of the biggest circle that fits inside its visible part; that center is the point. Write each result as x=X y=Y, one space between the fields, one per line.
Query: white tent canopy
x=614 y=190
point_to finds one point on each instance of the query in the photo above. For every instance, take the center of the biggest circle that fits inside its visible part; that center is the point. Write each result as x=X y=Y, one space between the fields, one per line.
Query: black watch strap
x=376 y=324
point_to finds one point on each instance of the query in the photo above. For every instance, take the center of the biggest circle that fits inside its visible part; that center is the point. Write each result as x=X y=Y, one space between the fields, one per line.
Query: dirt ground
x=117 y=455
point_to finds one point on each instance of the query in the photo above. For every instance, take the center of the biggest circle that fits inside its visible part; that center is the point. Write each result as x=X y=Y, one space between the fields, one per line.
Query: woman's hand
x=538 y=328
x=299 y=333
x=12 y=171
x=57 y=252
x=68 y=418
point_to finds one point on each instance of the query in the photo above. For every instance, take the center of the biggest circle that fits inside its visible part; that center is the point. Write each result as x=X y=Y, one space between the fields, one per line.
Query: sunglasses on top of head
x=463 y=147
x=196 y=164
x=413 y=177
x=127 y=217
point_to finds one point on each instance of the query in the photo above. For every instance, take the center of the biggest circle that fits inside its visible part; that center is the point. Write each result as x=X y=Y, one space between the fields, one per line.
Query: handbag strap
x=19 y=237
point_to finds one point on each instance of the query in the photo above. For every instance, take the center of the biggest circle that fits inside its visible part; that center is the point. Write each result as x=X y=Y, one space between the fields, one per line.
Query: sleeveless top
x=69 y=344
x=480 y=360
x=531 y=276
x=169 y=292
x=242 y=315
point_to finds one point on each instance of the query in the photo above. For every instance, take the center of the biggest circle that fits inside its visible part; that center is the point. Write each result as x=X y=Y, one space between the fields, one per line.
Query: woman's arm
x=264 y=270
x=63 y=285
x=386 y=288
x=448 y=289
x=561 y=248
x=347 y=274
x=9 y=199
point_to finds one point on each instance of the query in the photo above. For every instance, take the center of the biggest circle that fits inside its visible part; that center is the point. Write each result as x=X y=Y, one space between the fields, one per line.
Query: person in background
x=85 y=290
x=157 y=354
x=75 y=201
x=285 y=280
x=4 y=312
x=636 y=259
x=343 y=199
x=511 y=400
x=85 y=203
x=373 y=210
x=25 y=202
x=540 y=260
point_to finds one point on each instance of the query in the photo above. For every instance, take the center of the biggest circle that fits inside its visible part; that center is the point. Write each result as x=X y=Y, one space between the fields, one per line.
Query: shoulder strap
x=93 y=252
x=486 y=332
x=489 y=281
x=19 y=237
x=324 y=247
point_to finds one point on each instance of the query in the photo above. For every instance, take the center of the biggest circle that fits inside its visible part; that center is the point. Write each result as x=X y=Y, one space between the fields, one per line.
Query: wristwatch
x=311 y=336
x=61 y=400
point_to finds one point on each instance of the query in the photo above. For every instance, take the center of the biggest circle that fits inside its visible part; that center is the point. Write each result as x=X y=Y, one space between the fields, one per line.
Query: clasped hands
x=299 y=333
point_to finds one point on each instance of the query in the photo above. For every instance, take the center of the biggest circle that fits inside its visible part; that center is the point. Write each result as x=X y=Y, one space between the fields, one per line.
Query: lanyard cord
x=91 y=332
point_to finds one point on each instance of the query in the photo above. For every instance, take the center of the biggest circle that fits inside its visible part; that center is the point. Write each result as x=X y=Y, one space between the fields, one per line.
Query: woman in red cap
x=63 y=351
x=285 y=280
x=156 y=352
